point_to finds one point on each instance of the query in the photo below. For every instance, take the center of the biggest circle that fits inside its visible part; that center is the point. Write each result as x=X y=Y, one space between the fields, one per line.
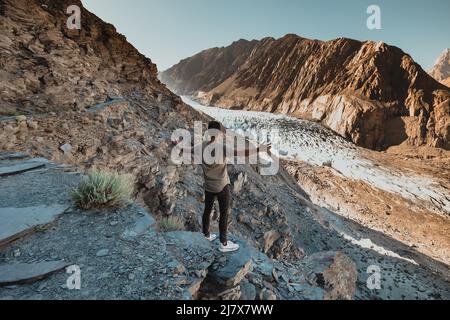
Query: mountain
x=371 y=93
x=46 y=66
x=441 y=69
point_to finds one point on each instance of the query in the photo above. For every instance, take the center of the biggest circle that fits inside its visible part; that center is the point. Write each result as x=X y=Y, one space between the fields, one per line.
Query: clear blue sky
x=170 y=30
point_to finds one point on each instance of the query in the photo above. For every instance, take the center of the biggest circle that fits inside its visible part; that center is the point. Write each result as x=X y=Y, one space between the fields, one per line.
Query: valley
x=402 y=198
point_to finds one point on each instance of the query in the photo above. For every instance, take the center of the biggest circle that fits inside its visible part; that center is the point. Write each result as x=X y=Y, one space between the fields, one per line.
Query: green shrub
x=171 y=223
x=9 y=111
x=102 y=189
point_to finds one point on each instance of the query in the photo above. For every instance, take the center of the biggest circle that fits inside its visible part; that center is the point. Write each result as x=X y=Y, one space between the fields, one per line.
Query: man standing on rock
x=217 y=181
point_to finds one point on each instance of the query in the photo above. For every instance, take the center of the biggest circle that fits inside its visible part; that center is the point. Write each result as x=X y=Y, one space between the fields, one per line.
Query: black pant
x=224 y=198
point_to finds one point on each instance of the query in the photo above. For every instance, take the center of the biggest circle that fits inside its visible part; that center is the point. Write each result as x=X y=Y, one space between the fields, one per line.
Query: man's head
x=215 y=125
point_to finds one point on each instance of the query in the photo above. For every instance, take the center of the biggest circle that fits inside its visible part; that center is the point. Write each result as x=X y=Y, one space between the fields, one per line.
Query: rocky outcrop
x=371 y=93
x=47 y=67
x=334 y=272
x=226 y=274
x=441 y=69
x=208 y=69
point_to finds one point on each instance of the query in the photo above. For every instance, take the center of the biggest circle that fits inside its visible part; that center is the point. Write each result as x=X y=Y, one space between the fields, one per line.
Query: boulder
x=141 y=225
x=192 y=256
x=333 y=271
x=20 y=167
x=18 y=222
x=66 y=148
x=226 y=274
x=231 y=294
x=229 y=269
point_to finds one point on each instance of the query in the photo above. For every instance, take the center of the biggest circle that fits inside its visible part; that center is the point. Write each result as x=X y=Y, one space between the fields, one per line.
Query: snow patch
x=368 y=244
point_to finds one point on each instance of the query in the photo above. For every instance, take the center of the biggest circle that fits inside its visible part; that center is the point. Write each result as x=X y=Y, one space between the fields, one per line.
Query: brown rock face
x=441 y=70
x=209 y=68
x=370 y=93
x=47 y=67
x=335 y=272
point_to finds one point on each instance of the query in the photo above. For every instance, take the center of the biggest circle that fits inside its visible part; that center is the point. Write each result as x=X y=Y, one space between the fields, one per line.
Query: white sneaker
x=230 y=247
x=211 y=237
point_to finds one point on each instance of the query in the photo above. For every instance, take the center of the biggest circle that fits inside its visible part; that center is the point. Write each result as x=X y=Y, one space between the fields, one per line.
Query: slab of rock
x=193 y=255
x=142 y=224
x=28 y=272
x=20 y=167
x=66 y=148
x=269 y=239
x=231 y=268
x=13 y=156
x=18 y=222
x=333 y=271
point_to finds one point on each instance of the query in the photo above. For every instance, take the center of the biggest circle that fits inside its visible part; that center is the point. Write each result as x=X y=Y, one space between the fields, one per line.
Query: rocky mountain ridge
x=371 y=93
x=47 y=67
x=441 y=69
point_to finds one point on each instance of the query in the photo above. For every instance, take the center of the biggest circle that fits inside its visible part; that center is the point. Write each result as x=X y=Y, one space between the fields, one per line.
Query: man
x=217 y=182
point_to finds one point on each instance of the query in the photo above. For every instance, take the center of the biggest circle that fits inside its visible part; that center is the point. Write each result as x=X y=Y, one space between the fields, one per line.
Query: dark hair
x=217 y=126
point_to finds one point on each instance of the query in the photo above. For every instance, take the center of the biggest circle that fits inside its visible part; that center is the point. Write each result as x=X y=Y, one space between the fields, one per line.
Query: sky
x=170 y=30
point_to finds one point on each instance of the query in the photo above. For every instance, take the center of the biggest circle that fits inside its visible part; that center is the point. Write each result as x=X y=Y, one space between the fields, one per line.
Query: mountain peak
x=441 y=69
